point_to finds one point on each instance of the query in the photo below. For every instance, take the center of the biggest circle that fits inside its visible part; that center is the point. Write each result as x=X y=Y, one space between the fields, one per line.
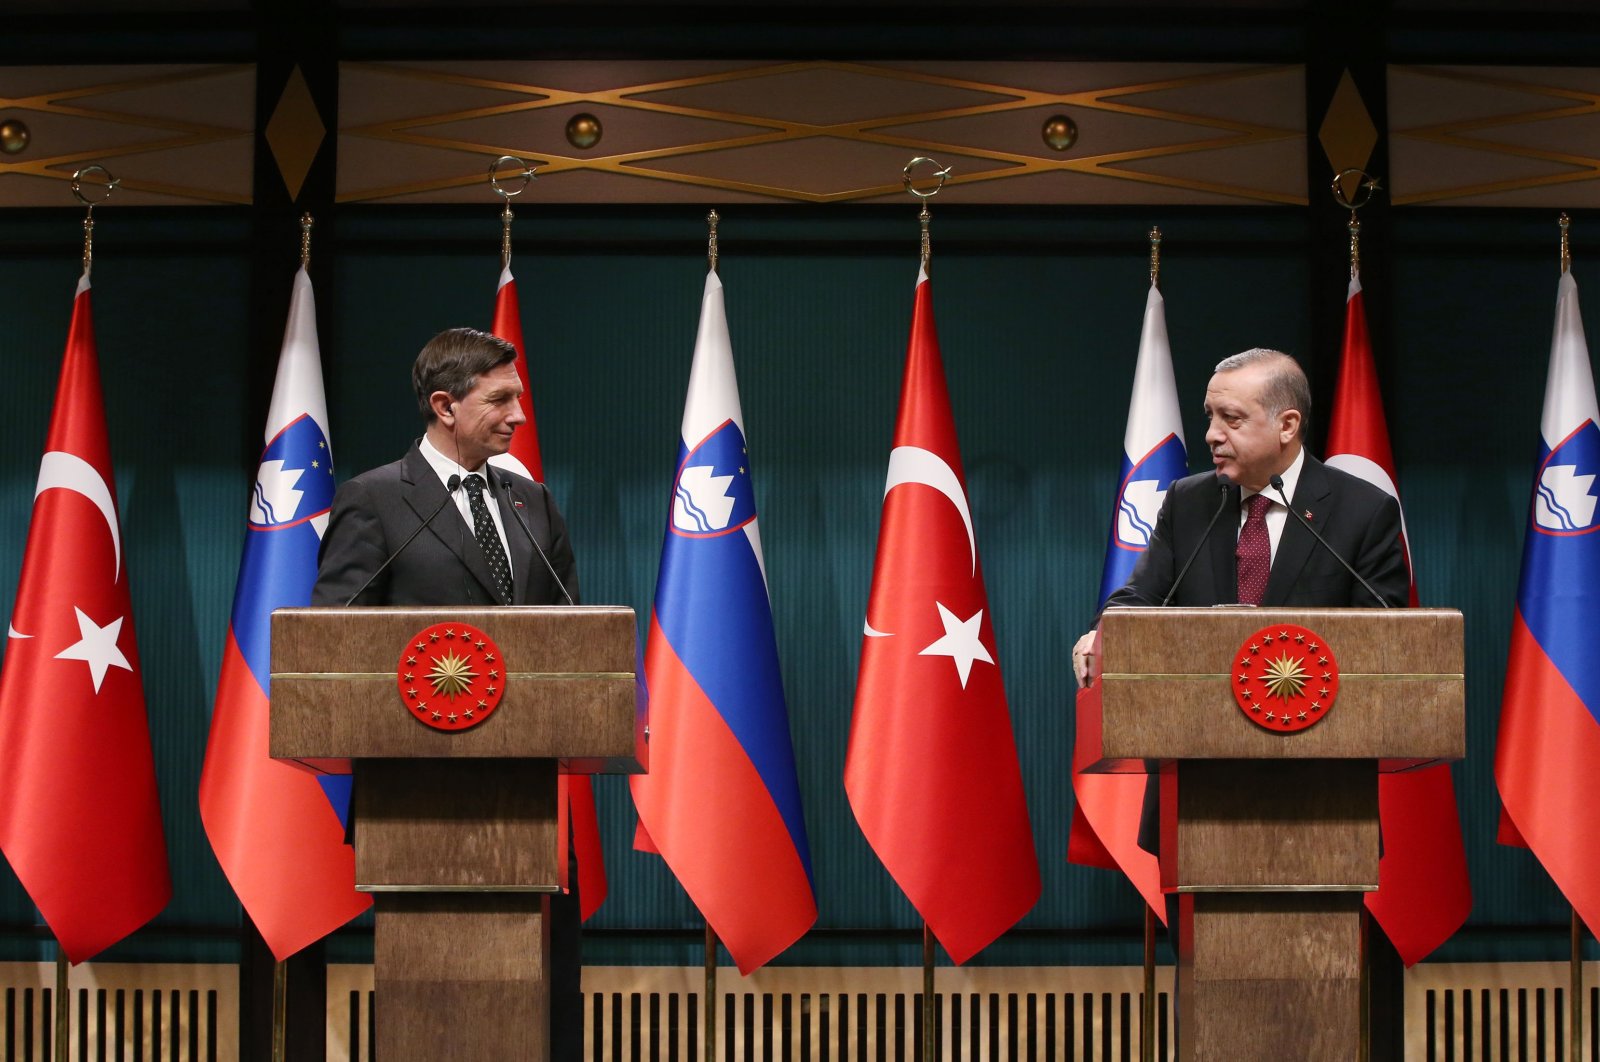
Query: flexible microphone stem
x=505 y=485
x=450 y=493
x=1222 y=503
x=1277 y=485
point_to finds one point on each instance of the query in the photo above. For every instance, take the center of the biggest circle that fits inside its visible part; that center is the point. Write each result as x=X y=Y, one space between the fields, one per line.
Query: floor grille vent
x=1498 y=1012
x=821 y=1014
x=123 y=1012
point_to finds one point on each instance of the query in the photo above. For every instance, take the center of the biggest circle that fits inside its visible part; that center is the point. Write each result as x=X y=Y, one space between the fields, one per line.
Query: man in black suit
x=473 y=551
x=1256 y=406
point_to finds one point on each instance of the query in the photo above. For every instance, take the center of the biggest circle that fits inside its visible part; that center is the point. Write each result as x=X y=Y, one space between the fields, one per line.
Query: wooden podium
x=456 y=831
x=1271 y=838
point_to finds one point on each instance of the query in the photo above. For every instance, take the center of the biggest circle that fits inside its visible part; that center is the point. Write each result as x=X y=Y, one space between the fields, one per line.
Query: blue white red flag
x=1549 y=746
x=1105 y=822
x=277 y=833
x=722 y=801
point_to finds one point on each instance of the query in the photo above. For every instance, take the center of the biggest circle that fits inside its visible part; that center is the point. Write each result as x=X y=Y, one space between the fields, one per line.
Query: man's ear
x=1289 y=424
x=443 y=406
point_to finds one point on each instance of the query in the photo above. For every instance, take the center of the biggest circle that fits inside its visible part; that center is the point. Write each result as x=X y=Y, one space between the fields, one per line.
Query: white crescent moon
x=913 y=464
x=71 y=472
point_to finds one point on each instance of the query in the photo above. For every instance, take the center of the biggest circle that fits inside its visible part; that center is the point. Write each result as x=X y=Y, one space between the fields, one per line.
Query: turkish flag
x=932 y=772
x=80 y=819
x=575 y=799
x=1423 y=894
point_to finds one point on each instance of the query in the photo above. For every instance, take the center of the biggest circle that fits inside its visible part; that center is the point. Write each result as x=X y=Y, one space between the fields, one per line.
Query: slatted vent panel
x=1498 y=1012
x=124 y=1012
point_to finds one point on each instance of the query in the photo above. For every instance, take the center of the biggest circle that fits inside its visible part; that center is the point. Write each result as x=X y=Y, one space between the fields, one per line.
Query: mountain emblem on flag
x=295 y=480
x=1143 y=490
x=712 y=495
x=1564 y=500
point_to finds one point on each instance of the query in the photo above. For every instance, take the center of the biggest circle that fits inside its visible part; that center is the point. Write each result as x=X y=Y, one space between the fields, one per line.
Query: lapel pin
x=1308 y=514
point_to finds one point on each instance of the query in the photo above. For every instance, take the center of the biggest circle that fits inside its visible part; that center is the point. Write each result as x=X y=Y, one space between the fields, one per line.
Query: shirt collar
x=1291 y=480
x=444 y=467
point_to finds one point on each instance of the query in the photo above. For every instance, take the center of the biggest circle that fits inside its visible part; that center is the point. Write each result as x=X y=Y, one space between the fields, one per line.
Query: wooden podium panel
x=456 y=831
x=1270 y=838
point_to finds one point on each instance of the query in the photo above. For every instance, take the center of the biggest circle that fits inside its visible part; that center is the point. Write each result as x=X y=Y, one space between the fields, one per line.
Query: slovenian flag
x=1549 y=745
x=722 y=801
x=277 y=833
x=1105 y=820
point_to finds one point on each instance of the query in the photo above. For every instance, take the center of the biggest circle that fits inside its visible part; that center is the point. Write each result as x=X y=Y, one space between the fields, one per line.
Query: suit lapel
x=1223 y=542
x=1295 y=547
x=423 y=493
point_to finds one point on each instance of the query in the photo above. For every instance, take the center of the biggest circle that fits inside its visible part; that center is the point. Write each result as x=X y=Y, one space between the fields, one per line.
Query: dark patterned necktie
x=488 y=537
x=1254 y=552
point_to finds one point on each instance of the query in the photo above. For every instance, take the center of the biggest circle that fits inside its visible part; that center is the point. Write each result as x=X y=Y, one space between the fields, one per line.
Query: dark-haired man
x=473 y=552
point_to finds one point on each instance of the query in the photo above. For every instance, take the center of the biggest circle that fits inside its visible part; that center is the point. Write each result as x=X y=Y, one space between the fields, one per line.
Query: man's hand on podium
x=1083 y=666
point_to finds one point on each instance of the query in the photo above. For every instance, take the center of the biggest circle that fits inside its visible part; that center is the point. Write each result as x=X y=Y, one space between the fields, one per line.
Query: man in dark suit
x=1256 y=552
x=474 y=550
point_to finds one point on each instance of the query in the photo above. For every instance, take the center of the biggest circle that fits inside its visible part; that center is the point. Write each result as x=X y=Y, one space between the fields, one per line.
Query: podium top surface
x=1167 y=678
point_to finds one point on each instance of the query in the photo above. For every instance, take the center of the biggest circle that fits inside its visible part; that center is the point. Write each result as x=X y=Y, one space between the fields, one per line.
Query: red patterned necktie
x=1254 y=552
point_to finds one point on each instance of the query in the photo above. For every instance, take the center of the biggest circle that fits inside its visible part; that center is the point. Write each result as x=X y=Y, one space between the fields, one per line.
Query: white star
x=97 y=647
x=960 y=642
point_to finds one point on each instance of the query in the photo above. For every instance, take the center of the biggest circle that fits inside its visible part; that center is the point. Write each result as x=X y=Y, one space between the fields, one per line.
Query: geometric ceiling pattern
x=822 y=132
x=1495 y=136
x=172 y=135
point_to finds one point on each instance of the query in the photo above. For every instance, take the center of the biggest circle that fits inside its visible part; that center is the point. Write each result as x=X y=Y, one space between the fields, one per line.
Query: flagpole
x=711 y=993
x=63 y=1002
x=527 y=174
x=928 y=1026
x=63 y=1007
x=1147 y=1008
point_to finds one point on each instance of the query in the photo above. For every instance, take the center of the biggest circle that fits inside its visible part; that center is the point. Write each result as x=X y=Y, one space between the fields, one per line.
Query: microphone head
x=1277 y=483
x=453 y=485
x=1223 y=481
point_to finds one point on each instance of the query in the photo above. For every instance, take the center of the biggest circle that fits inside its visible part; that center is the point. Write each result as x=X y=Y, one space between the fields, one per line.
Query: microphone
x=1277 y=485
x=1222 y=503
x=516 y=511
x=450 y=491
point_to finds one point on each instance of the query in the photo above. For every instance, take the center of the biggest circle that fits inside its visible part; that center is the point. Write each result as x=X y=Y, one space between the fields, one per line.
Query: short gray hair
x=1286 y=387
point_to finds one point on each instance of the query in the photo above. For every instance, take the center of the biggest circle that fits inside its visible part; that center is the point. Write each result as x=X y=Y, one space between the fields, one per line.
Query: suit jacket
x=1357 y=519
x=374 y=513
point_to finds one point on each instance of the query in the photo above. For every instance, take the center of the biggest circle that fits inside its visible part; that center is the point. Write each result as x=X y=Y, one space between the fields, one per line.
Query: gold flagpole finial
x=1361 y=194
x=1155 y=256
x=1354 y=226
x=89 y=205
x=940 y=174
x=305 y=240
x=1566 y=242
x=527 y=174
x=711 y=239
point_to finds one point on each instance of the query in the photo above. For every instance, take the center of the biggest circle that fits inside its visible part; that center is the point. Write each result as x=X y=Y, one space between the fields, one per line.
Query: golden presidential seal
x=1285 y=678
x=451 y=676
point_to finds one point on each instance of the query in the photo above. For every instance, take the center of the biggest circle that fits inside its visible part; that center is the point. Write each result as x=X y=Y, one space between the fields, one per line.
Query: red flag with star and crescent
x=80 y=818
x=932 y=771
x=576 y=798
x=1424 y=894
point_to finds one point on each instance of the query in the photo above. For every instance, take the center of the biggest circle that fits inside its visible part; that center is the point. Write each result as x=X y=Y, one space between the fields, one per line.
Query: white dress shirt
x=444 y=467
x=1277 y=516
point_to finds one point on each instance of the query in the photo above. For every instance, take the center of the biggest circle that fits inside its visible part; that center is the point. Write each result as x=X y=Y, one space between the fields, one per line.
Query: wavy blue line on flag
x=1143 y=485
x=1559 y=594
x=294 y=487
x=712 y=605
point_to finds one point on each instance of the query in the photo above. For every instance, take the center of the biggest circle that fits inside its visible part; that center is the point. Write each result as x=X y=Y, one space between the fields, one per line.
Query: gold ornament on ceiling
x=1347 y=134
x=1060 y=132
x=14 y=136
x=295 y=132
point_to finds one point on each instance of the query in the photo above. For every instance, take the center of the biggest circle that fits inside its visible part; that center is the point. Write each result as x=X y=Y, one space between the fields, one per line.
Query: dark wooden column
x=297 y=83
x=1352 y=39
x=1346 y=39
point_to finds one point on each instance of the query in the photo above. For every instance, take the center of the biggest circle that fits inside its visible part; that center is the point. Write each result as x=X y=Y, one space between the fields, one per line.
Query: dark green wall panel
x=1039 y=316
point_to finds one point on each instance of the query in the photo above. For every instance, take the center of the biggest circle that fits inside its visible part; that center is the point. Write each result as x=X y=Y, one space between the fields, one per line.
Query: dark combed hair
x=452 y=360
